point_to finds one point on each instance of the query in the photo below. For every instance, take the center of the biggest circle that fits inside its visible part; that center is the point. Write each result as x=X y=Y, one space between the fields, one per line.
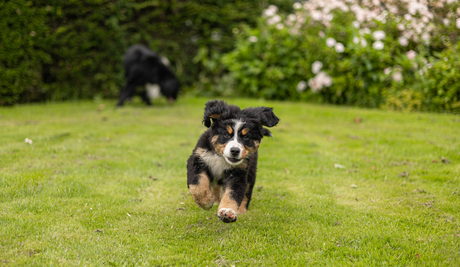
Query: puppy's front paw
x=227 y=215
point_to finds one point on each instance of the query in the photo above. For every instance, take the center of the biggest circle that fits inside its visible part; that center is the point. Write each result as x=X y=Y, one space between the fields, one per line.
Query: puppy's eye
x=245 y=137
x=226 y=135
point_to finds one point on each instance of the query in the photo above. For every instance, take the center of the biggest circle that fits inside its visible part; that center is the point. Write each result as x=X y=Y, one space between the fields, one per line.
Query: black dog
x=145 y=67
x=223 y=165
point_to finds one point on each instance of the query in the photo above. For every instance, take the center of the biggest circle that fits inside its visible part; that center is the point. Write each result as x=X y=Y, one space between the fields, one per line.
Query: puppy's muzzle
x=234 y=151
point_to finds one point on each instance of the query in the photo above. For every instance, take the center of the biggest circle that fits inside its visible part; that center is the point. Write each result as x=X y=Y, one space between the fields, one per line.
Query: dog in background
x=223 y=165
x=143 y=67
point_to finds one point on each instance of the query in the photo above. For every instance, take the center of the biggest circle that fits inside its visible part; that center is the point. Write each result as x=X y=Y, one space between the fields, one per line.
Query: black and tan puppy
x=143 y=67
x=223 y=165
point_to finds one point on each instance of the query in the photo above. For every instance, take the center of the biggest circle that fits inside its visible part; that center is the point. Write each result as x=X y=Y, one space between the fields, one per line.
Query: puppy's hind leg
x=251 y=178
x=216 y=193
x=146 y=98
x=247 y=198
x=126 y=92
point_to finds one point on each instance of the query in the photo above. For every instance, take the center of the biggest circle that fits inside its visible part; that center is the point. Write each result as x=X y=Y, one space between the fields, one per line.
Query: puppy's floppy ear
x=266 y=132
x=267 y=117
x=213 y=110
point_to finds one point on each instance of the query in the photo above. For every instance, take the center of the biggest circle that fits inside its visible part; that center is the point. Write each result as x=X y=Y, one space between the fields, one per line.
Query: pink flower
x=317 y=83
x=411 y=54
x=446 y=21
x=316 y=66
x=270 y=11
x=356 y=40
x=403 y=41
x=330 y=42
x=314 y=85
x=339 y=47
x=397 y=76
x=292 y=17
x=316 y=15
x=253 y=39
x=355 y=24
x=387 y=71
x=274 y=20
x=378 y=45
x=378 y=35
x=324 y=79
x=426 y=37
x=301 y=86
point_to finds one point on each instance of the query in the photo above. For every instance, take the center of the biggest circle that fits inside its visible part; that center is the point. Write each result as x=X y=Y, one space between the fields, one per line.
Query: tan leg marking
x=227 y=202
x=227 y=210
x=201 y=193
x=242 y=208
x=216 y=193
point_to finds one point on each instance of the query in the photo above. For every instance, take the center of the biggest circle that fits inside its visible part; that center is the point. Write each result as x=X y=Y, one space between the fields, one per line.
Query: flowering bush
x=369 y=53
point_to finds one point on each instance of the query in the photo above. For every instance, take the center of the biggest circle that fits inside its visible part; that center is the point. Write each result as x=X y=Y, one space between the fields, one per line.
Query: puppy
x=223 y=165
x=143 y=67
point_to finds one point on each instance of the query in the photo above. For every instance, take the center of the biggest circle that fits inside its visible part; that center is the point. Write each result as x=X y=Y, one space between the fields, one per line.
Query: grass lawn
x=100 y=186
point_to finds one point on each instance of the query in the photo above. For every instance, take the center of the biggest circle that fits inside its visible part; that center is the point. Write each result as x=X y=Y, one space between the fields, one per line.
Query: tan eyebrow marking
x=214 y=116
x=245 y=131
x=229 y=129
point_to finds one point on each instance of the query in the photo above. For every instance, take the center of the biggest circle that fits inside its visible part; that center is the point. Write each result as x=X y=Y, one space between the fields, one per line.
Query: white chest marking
x=217 y=164
x=153 y=90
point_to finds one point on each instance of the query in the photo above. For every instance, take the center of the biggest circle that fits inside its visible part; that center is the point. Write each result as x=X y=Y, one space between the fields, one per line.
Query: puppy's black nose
x=234 y=151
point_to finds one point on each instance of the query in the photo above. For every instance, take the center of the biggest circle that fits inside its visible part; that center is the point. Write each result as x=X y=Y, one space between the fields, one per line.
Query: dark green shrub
x=22 y=26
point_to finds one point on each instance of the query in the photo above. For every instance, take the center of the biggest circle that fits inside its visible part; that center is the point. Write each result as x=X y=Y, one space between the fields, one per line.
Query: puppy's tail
x=266 y=132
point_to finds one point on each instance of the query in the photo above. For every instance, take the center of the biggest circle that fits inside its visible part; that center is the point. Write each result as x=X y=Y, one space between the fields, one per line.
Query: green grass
x=100 y=186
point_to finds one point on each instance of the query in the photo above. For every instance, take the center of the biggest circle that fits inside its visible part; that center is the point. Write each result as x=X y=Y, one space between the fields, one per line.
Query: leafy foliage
x=442 y=81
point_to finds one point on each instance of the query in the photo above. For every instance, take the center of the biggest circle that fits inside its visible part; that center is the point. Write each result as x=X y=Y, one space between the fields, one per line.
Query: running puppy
x=143 y=67
x=223 y=165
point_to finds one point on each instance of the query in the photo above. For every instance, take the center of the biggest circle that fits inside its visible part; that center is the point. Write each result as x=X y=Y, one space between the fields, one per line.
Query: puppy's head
x=236 y=133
